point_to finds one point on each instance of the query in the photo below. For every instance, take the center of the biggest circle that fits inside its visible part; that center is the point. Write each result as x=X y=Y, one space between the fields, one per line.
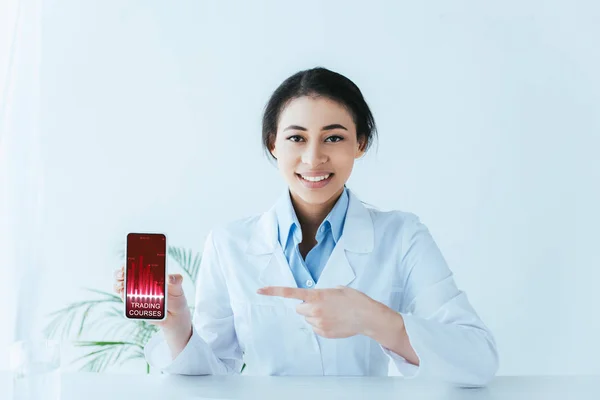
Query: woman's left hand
x=333 y=313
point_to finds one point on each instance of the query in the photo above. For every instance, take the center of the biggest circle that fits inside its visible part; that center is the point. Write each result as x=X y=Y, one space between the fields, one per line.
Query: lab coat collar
x=358 y=234
x=267 y=254
x=288 y=224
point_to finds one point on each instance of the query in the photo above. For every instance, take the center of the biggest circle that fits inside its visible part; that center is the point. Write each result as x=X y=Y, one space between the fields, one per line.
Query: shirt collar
x=287 y=219
x=288 y=223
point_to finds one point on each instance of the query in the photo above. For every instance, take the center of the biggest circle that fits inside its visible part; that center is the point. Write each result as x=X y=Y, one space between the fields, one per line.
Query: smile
x=315 y=178
x=315 y=182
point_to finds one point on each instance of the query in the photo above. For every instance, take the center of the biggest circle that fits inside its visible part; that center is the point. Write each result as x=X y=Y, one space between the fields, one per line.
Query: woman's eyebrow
x=333 y=126
x=325 y=128
x=295 y=128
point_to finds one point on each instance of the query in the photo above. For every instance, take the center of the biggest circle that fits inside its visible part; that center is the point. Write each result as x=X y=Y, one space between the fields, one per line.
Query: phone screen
x=145 y=276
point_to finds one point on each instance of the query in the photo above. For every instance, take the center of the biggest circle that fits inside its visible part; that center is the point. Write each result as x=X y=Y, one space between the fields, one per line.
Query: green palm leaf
x=133 y=355
x=107 y=296
x=106 y=354
x=63 y=319
x=103 y=316
x=188 y=262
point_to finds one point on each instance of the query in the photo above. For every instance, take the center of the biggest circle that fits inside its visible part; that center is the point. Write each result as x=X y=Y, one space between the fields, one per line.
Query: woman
x=320 y=284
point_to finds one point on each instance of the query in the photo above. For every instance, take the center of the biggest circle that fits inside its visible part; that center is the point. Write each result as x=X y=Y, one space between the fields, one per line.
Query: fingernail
x=172 y=279
x=260 y=291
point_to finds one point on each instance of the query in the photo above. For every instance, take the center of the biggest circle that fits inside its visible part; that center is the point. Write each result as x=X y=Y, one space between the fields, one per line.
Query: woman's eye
x=335 y=138
x=331 y=139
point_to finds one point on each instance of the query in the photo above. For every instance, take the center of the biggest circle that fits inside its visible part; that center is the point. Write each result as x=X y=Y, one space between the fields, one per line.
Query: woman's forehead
x=314 y=111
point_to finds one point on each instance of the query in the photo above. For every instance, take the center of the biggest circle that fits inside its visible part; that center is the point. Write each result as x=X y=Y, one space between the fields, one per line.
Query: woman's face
x=315 y=147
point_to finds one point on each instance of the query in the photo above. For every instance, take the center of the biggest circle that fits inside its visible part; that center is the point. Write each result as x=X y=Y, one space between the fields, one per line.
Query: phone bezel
x=165 y=283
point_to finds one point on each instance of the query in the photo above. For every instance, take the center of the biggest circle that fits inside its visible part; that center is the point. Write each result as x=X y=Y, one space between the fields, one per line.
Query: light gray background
x=489 y=125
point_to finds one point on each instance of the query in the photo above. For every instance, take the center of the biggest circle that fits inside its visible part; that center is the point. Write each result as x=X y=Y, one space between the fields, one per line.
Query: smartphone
x=145 y=294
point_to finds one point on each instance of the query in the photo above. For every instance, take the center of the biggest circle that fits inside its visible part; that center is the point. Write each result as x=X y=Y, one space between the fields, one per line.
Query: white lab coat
x=390 y=256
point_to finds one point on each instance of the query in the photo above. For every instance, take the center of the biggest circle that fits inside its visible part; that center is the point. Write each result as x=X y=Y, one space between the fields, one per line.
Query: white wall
x=489 y=130
x=8 y=16
x=21 y=176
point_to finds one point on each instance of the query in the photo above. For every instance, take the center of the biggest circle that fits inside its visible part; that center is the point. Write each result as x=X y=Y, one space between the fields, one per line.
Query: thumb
x=175 y=281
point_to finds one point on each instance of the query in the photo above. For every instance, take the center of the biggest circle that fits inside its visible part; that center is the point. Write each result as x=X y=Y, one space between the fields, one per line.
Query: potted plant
x=116 y=338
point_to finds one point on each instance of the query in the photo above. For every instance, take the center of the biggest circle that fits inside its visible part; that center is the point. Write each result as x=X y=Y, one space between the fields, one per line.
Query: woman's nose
x=314 y=155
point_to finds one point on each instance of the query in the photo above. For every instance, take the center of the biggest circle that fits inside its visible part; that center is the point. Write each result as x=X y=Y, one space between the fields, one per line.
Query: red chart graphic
x=143 y=286
x=145 y=276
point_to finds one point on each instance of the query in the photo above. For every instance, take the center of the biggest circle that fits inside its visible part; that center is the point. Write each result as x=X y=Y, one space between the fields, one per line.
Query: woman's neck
x=311 y=216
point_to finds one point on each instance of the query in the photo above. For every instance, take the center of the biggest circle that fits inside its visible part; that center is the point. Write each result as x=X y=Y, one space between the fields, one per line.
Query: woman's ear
x=360 y=149
x=272 y=148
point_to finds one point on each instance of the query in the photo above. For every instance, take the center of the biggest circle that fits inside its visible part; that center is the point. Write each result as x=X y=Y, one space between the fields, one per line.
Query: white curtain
x=21 y=178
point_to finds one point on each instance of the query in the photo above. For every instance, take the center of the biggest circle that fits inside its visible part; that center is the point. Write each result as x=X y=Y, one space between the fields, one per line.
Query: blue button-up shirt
x=307 y=271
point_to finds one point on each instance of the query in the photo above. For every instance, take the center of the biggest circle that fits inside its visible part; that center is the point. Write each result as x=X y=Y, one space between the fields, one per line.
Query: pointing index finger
x=287 y=292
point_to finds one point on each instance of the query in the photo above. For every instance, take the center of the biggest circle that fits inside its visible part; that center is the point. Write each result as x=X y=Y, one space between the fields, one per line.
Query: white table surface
x=91 y=386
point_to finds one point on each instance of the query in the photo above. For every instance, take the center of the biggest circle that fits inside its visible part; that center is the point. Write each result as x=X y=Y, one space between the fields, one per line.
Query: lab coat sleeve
x=450 y=340
x=213 y=348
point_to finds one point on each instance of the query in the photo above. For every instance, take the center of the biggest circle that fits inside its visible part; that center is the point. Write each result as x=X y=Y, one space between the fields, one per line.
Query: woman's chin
x=316 y=195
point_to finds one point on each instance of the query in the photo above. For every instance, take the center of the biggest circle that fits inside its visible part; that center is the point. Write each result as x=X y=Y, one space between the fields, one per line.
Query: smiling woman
x=315 y=125
x=351 y=286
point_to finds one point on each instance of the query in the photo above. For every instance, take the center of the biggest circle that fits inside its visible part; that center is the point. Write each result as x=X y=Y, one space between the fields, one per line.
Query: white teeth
x=315 y=178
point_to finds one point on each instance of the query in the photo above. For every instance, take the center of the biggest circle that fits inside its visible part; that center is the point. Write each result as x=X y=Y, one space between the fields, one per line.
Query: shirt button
x=309 y=283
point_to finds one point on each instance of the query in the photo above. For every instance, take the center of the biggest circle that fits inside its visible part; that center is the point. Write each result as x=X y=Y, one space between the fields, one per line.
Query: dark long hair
x=319 y=82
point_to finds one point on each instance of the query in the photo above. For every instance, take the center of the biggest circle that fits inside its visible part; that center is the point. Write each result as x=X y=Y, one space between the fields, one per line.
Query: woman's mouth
x=315 y=182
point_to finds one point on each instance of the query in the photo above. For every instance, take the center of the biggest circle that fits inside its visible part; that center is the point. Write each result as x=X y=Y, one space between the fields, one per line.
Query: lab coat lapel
x=265 y=252
x=277 y=271
x=338 y=270
x=357 y=237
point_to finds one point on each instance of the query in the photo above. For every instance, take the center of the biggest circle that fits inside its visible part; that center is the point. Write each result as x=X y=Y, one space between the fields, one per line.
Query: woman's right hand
x=177 y=327
x=178 y=312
